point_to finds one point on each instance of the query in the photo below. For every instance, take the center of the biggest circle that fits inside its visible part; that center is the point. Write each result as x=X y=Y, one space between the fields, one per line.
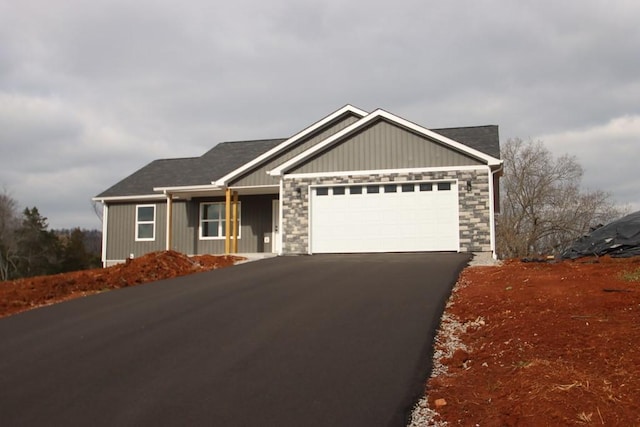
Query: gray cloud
x=91 y=91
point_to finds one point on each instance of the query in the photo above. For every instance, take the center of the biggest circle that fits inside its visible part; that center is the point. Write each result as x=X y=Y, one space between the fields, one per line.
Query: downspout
x=105 y=220
x=169 y=239
x=280 y=218
x=227 y=219
x=235 y=222
x=492 y=214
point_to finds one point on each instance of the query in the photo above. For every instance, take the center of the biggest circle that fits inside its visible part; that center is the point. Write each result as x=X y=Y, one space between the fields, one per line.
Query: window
x=390 y=188
x=426 y=186
x=322 y=191
x=444 y=186
x=338 y=191
x=213 y=220
x=146 y=222
x=356 y=189
x=408 y=188
x=373 y=189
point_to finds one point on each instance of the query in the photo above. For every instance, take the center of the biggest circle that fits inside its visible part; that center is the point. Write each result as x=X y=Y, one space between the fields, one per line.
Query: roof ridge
x=251 y=140
x=174 y=158
x=464 y=127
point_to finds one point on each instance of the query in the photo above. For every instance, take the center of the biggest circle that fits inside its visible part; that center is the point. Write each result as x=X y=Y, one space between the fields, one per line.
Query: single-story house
x=351 y=182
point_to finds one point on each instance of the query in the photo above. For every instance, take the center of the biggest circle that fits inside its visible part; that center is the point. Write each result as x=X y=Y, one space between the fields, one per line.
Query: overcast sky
x=91 y=91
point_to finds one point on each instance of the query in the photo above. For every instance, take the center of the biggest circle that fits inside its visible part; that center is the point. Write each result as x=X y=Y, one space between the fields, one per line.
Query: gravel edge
x=446 y=342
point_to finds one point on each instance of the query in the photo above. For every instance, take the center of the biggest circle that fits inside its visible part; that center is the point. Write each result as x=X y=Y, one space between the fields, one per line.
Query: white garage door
x=387 y=217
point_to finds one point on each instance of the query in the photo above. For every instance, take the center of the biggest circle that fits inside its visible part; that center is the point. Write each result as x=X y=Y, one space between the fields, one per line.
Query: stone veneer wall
x=474 y=212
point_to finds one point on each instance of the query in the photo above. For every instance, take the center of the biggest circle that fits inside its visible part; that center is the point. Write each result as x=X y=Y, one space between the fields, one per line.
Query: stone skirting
x=473 y=205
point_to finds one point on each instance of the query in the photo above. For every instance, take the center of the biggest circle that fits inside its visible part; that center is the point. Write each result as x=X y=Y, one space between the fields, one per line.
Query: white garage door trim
x=418 y=216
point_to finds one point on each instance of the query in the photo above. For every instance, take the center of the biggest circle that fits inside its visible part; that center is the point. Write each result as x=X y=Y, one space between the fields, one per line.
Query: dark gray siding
x=255 y=225
x=121 y=231
x=384 y=146
x=259 y=176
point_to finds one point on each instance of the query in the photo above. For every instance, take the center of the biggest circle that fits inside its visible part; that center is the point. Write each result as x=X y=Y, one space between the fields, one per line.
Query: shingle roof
x=482 y=138
x=215 y=163
x=228 y=156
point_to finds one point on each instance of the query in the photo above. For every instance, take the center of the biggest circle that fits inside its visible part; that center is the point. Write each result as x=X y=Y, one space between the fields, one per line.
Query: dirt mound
x=550 y=344
x=24 y=294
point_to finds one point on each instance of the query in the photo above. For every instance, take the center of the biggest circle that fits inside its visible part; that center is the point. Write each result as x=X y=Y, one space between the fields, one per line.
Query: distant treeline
x=28 y=248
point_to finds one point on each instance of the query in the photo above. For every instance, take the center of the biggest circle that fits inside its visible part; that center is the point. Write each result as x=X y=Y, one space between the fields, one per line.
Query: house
x=352 y=182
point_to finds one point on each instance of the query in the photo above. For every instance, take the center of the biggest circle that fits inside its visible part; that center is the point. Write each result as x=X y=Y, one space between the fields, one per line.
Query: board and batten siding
x=259 y=176
x=121 y=231
x=255 y=225
x=384 y=146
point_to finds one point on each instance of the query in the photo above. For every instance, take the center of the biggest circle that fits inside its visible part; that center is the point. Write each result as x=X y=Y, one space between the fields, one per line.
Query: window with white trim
x=213 y=220
x=145 y=222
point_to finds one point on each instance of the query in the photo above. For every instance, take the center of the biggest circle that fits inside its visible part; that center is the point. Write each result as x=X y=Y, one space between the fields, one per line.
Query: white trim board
x=130 y=198
x=258 y=160
x=379 y=113
x=385 y=171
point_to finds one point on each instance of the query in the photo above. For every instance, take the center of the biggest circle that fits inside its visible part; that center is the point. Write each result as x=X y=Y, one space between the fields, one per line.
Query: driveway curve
x=323 y=340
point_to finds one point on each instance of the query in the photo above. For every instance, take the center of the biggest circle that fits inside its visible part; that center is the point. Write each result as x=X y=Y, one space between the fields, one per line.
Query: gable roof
x=380 y=114
x=190 y=171
x=336 y=115
x=229 y=160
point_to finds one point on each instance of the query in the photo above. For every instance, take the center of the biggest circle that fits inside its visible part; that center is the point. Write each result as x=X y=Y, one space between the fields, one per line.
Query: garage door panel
x=385 y=221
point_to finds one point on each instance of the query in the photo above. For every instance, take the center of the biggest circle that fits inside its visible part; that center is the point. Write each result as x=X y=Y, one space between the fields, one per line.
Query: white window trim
x=222 y=237
x=453 y=181
x=152 y=222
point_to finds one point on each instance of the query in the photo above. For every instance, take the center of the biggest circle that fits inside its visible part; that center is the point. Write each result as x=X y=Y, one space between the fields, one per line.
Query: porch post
x=169 y=221
x=235 y=222
x=227 y=219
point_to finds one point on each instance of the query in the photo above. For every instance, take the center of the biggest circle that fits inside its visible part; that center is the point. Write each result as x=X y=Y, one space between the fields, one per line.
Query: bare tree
x=543 y=208
x=97 y=209
x=8 y=244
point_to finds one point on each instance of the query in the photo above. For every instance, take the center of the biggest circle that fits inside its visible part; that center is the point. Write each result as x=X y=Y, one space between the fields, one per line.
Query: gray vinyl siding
x=121 y=231
x=259 y=176
x=255 y=225
x=384 y=146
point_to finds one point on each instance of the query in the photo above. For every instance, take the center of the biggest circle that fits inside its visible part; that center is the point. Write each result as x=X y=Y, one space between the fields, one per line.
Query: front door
x=275 y=226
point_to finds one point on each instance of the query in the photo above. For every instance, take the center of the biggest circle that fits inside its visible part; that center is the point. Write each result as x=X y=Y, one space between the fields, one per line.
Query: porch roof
x=189 y=172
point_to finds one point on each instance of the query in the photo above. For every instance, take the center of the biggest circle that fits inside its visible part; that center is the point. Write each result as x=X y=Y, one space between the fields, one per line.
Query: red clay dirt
x=558 y=346
x=24 y=294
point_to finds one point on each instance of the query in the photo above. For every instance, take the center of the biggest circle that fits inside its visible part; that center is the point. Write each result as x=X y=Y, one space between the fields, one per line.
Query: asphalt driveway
x=324 y=340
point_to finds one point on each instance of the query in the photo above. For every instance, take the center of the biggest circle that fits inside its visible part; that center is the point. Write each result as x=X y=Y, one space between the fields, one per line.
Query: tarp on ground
x=620 y=238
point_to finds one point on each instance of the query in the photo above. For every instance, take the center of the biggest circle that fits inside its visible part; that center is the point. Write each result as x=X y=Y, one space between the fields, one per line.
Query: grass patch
x=631 y=276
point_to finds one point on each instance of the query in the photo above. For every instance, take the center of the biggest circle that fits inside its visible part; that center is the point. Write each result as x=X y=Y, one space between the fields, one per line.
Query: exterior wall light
x=469 y=185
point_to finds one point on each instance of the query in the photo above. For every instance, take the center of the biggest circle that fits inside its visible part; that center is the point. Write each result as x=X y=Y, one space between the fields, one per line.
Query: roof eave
x=379 y=113
x=187 y=188
x=128 y=198
x=222 y=182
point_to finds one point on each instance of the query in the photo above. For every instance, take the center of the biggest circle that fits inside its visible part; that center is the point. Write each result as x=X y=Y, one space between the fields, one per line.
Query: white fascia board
x=385 y=171
x=278 y=148
x=258 y=187
x=187 y=188
x=379 y=113
x=491 y=161
x=129 y=198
